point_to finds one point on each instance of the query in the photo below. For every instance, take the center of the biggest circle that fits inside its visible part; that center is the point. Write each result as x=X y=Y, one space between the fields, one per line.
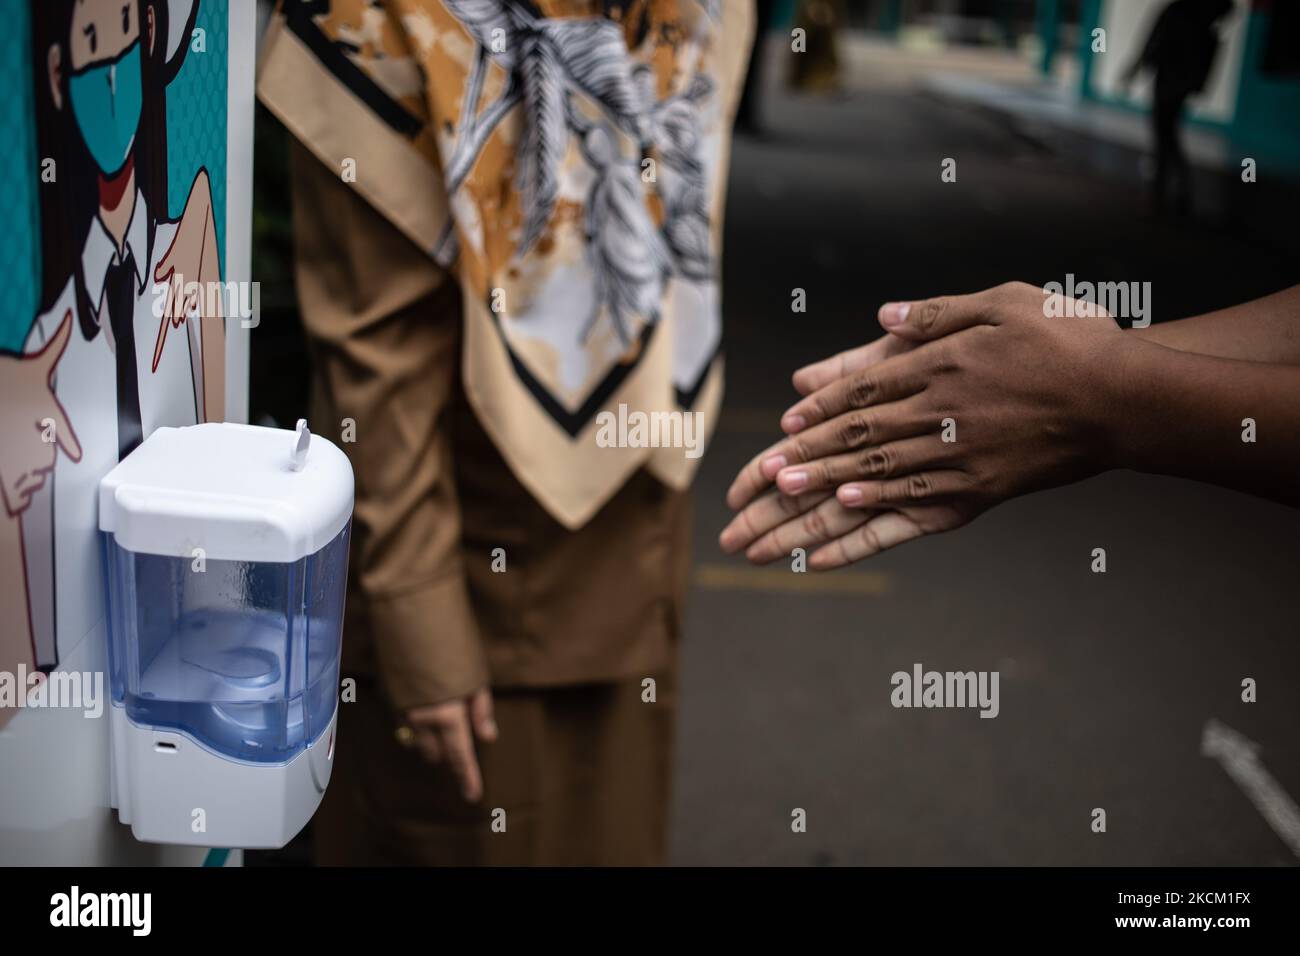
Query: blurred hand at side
x=446 y=733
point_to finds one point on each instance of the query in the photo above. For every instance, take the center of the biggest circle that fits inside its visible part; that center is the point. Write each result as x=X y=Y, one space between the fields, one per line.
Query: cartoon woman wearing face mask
x=100 y=370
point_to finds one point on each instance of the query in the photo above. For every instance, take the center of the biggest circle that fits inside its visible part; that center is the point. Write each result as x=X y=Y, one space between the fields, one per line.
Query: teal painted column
x=891 y=17
x=1048 y=19
x=1089 y=20
x=782 y=15
x=1263 y=124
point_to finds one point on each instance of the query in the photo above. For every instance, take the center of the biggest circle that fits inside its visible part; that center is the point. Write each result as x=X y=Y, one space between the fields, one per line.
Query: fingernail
x=490 y=728
x=793 y=423
x=894 y=314
x=772 y=465
x=794 y=480
x=850 y=495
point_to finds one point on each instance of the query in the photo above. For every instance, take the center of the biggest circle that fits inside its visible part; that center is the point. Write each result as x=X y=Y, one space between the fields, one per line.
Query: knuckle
x=855 y=430
x=979 y=482
x=930 y=315
x=797 y=450
x=814 y=523
x=945 y=356
x=862 y=388
x=446 y=721
x=788 y=506
x=818 y=407
x=918 y=487
x=1001 y=295
x=870 y=538
x=894 y=492
x=746 y=518
x=877 y=462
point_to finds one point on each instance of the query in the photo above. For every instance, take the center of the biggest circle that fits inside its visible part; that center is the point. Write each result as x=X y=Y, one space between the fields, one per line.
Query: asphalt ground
x=1107 y=681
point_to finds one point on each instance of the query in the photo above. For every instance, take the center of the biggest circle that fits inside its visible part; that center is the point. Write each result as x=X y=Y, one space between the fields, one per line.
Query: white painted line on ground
x=1240 y=758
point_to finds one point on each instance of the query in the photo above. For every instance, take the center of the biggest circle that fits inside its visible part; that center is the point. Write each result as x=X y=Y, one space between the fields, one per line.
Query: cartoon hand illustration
x=191 y=266
x=33 y=422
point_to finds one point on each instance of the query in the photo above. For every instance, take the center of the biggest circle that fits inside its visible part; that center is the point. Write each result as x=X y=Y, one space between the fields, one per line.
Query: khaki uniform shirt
x=473 y=312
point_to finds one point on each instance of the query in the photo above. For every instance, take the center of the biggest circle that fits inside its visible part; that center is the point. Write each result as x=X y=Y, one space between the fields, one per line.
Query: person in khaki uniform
x=507 y=220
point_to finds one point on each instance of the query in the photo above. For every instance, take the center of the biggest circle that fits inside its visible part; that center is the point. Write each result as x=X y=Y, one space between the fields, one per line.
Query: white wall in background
x=1127 y=23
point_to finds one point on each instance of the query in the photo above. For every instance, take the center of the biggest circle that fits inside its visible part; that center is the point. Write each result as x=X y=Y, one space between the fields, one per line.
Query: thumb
x=165 y=266
x=49 y=356
x=64 y=436
x=934 y=318
x=480 y=715
x=52 y=351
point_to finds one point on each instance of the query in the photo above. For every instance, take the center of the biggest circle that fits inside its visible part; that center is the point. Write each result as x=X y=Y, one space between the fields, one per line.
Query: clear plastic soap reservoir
x=226 y=552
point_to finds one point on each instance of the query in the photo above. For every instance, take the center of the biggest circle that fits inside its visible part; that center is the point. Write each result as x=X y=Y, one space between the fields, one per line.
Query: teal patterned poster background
x=196 y=116
x=19 y=252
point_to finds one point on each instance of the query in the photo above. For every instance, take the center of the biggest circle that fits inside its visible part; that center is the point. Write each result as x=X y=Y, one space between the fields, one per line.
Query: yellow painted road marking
x=754 y=421
x=728 y=577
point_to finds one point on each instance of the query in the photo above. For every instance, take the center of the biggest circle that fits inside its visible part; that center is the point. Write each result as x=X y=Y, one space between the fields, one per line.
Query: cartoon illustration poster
x=123 y=211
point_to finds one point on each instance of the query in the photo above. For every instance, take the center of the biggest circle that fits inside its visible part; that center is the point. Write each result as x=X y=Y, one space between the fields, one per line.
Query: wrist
x=1122 y=367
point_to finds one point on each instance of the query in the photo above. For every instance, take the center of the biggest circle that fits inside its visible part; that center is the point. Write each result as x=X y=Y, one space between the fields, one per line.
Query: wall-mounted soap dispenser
x=226 y=551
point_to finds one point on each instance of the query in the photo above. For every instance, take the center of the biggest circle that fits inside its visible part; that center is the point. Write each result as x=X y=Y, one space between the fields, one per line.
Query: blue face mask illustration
x=106 y=100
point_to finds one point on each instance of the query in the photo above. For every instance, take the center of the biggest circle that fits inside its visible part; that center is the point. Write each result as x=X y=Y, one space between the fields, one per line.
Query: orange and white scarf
x=569 y=160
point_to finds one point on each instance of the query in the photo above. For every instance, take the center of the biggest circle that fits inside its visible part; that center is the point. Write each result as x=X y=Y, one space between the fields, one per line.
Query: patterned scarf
x=568 y=159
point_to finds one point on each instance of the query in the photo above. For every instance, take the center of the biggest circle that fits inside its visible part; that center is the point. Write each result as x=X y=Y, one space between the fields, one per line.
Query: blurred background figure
x=815 y=66
x=488 y=275
x=1180 y=49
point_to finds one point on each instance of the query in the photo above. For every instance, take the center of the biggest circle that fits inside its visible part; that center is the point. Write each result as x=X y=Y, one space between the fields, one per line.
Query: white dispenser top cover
x=239 y=492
